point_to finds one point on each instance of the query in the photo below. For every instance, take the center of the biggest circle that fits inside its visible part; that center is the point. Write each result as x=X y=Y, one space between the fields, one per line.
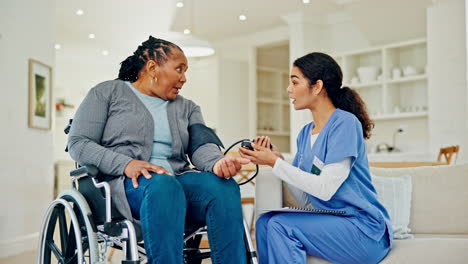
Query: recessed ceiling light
x=105 y=52
x=57 y=46
x=91 y=36
x=180 y=4
x=187 y=31
x=242 y=18
x=79 y=12
x=305 y=1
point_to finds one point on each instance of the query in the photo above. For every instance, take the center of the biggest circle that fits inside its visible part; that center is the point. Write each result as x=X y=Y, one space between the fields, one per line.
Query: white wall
x=74 y=76
x=233 y=101
x=237 y=82
x=202 y=87
x=448 y=71
x=26 y=158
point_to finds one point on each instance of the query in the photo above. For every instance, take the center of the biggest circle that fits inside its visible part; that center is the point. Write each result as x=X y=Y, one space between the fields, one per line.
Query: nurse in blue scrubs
x=330 y=171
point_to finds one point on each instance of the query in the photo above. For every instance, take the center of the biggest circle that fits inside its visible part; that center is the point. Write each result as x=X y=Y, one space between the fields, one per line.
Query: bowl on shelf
x=409 y=71
x=367 y=73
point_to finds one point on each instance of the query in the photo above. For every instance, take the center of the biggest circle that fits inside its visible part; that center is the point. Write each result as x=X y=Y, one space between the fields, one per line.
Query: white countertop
x=400 y=156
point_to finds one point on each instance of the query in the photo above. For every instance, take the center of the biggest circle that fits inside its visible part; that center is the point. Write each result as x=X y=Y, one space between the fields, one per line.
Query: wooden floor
x=30 y=258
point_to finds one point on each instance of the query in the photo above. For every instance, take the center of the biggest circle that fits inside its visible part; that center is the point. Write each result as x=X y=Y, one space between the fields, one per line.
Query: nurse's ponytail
x=319 y=66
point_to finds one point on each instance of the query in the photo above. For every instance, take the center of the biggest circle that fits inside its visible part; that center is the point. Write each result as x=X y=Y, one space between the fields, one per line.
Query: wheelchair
x=82 y=224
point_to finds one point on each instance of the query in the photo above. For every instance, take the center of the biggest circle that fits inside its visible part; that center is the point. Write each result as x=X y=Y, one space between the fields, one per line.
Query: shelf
x=268 y=100
x=400 y=115
x=383 y=95
x=273 y=133
x=273 y=101
x=409 y=79
x=364 y=85
x=271 y=69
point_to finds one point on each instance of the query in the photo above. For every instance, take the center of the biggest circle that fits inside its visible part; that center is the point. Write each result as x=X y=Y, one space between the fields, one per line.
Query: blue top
x=342 y=137
x=162 y=141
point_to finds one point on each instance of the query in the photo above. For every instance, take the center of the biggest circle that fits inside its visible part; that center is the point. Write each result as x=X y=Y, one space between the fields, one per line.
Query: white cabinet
x=273 y=106
x=391 y=79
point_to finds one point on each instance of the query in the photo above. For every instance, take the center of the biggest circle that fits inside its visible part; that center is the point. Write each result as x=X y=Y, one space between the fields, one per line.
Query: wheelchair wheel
x=67 y=235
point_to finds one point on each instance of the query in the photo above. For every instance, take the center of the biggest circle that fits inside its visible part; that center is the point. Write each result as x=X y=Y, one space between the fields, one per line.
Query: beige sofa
x=438 y=219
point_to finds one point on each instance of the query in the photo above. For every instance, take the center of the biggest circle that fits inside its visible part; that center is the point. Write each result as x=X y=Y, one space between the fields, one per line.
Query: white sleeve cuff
x=322 y=186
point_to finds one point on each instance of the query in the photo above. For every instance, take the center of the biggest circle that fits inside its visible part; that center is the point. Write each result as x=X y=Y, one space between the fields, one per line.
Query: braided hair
x=152 y=49
x=319 y=66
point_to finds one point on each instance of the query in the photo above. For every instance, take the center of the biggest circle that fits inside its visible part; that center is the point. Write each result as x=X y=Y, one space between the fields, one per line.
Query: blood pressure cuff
x=199 y=135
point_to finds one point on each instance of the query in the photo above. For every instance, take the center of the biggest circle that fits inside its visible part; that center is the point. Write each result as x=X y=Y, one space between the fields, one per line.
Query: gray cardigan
x=112 y=127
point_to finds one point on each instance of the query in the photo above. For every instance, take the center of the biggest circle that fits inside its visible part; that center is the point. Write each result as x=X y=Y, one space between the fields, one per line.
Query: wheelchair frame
x=87 y=234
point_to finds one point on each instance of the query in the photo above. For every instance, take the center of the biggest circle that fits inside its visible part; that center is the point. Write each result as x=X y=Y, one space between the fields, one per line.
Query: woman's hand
x=229 y=166
x=136 y=168
x=266 y=142
x=262 y=153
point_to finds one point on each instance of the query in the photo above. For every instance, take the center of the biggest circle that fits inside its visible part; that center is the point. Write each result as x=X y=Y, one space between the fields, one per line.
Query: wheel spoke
x=72 y=259
x=51 y=245
x=63 y=230
x=71 y=244
x=65 y=222
x=50 y=235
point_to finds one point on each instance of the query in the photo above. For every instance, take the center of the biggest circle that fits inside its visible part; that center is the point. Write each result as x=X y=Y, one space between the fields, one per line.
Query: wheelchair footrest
x=113 y=228
x=130 y=262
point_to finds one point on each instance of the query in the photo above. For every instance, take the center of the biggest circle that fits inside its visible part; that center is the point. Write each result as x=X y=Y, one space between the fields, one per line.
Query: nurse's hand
x=136 y=168
x=229 y=166
x=265 y=141
x=261 y=155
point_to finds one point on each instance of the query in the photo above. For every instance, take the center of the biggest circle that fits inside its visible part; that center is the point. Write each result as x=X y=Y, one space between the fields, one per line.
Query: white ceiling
x=120 y=25
x=219 y=19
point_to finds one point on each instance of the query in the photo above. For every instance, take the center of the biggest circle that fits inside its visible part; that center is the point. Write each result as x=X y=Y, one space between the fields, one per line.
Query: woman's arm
x=86 y=134
x=322 y=186
x=206 y=155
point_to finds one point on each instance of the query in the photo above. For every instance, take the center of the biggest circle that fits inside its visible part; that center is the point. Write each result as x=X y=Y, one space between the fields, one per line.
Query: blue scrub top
x=342 y=137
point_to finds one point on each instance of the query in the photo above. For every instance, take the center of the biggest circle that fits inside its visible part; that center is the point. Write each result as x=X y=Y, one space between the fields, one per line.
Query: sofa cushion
x=425 y=249
x=439 y=198
x=395 y=194
x=429 y=249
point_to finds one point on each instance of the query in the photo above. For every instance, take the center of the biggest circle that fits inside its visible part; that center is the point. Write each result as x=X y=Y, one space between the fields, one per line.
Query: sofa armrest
x=268 y=191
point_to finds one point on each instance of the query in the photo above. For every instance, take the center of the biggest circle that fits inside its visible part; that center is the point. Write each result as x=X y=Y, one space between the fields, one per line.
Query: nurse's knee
x=277 y=222
x=262 y=221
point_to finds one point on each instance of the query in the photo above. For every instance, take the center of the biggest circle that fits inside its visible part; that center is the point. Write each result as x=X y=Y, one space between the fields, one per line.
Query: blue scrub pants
x=164 y=204
x=290 y=237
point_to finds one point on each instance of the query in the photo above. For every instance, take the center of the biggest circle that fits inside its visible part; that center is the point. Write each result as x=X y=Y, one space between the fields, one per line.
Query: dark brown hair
x=319 y=66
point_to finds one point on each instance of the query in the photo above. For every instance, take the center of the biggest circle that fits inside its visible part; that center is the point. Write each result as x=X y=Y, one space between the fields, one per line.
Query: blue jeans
x=164 y=204
x=290 y=237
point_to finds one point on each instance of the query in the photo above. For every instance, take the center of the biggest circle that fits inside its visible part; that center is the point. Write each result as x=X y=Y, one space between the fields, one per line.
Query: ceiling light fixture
x=79 y=12
x=305 y=1
x=91 y=36
x=242 y=17
x=57 y=46
x=180 y=4
x=192 y=46
x=105 y=52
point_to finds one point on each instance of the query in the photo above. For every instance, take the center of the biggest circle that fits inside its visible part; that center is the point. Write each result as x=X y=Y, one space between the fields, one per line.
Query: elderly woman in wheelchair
x=132 y=137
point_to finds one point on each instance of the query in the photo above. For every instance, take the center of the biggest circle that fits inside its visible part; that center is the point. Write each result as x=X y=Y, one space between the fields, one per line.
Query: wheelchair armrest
x=89 y=170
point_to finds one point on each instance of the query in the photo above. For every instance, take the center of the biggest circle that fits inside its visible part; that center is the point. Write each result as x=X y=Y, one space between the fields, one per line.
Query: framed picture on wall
x=40 y=95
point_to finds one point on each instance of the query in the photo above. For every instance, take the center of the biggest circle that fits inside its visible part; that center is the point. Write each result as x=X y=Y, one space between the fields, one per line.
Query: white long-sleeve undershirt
x=322 y=186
